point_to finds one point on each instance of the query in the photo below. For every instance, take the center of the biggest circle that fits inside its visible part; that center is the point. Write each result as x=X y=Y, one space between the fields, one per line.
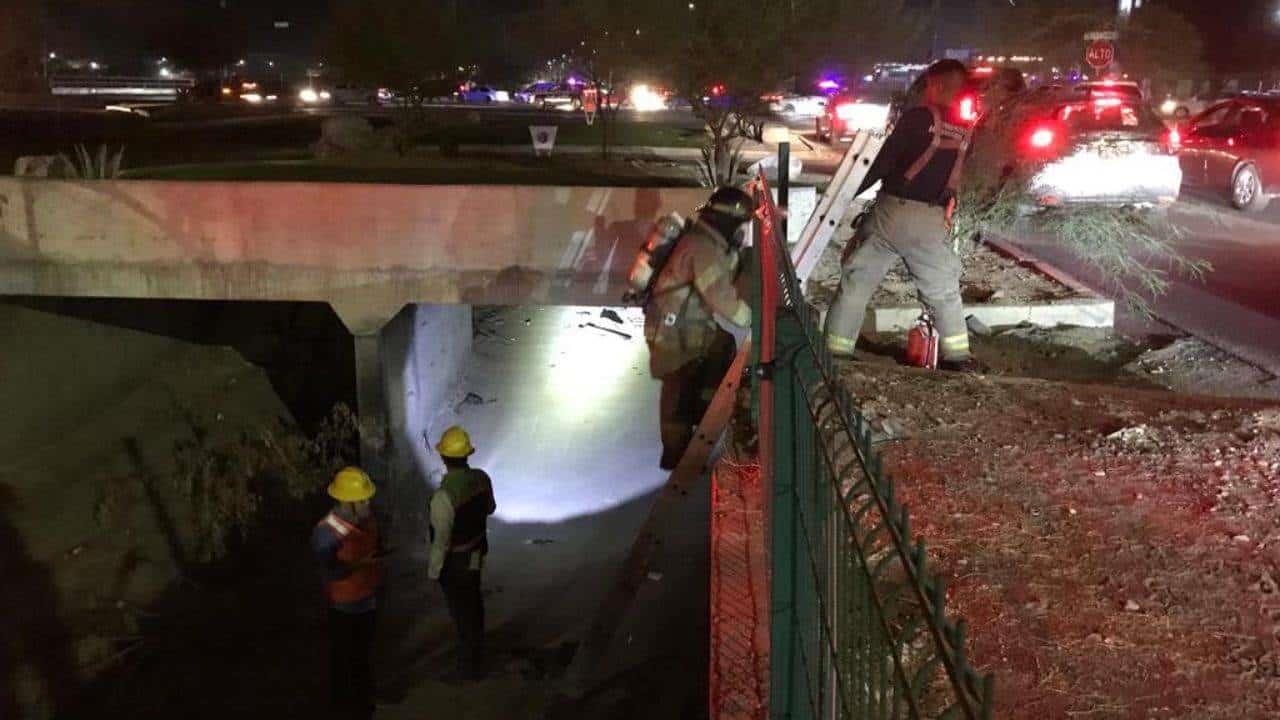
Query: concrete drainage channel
x=564 y=414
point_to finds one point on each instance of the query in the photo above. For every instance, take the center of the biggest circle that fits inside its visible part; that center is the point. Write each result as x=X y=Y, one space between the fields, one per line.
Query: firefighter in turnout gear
x=345 y=544
x=919 y=167
x=688 y=349
x=459 y=542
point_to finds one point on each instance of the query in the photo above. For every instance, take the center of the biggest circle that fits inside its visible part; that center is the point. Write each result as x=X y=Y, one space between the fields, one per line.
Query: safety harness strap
x=941 y=142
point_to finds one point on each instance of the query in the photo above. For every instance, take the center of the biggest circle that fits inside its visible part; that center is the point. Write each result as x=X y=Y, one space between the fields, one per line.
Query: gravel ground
x=1114 y=550
x=1108 y=509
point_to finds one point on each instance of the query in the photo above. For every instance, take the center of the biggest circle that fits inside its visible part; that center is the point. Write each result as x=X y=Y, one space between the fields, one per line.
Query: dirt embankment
x=1115 y=550
x=132 y=523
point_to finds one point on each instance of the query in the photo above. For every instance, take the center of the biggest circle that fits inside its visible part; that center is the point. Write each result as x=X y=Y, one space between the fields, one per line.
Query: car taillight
x=1042 y=138
x=846 y=111
x=1043 y=141
x=1173 y=140
x=969 y=109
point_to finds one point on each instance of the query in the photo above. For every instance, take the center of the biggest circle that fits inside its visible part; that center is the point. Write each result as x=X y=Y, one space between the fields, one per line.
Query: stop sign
x=1100 y=54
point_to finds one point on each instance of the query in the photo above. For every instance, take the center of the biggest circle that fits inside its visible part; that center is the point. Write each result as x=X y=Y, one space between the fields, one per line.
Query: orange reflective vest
x=358 y=543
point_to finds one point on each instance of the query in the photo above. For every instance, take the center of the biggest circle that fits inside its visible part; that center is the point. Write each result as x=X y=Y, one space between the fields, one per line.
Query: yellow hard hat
x=351 y=484
x=455 y=443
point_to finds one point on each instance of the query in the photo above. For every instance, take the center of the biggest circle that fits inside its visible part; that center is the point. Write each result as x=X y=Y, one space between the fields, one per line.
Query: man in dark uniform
x=919 y=167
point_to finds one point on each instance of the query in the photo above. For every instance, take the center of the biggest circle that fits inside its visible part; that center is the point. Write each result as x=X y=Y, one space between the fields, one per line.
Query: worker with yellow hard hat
x=346 y=547
x=460 y=509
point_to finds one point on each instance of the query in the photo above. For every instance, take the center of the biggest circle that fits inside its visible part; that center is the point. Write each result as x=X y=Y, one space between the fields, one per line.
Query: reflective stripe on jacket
x=356 y=543
x=695 y=285
x=460 y=510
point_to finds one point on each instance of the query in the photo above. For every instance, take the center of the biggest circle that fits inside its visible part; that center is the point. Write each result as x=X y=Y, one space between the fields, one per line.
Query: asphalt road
x=1236 y=305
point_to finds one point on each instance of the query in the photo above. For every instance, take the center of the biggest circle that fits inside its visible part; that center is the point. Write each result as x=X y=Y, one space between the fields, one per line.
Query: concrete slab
x=375 y=247
x=1082 y=312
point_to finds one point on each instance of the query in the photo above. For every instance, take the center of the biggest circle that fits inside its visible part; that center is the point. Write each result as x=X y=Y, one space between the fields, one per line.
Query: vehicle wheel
x=1246 y=190
x=789 y=108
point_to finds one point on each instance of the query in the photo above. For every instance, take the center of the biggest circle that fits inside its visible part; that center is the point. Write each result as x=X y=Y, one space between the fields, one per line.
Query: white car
x=1097 y=149
x=800 y=106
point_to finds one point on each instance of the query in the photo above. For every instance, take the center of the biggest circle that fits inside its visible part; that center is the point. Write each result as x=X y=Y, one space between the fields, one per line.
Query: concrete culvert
x=163 y=494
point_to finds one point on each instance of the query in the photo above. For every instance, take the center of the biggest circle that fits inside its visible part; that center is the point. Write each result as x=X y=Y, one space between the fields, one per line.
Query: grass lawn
x=435 y=171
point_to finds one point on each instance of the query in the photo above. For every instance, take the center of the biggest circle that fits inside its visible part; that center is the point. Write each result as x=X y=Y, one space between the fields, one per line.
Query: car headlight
x=1169 y=107
x=324 y=95
x=309 y=96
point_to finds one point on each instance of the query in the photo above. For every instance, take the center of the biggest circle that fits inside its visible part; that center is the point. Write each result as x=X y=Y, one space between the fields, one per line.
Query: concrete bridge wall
x=401 y=265
x=367 y=249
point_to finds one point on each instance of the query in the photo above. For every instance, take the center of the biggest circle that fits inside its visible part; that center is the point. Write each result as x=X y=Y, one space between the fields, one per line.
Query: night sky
x=1238 y=33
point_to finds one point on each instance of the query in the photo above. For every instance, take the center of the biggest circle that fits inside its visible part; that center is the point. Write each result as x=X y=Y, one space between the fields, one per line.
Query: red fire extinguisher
x=922 y=344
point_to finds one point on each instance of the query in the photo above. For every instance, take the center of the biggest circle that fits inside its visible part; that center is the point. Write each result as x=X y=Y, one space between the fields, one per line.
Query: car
x=1093 y=148
x=849 y=113
x=552 y=95
x=800 y=106
x=1234 y=146
x=481 y=94
x=985 y=86
x=1184 y=108
x=345 y=93
x=1107 y=88
x=532 y=94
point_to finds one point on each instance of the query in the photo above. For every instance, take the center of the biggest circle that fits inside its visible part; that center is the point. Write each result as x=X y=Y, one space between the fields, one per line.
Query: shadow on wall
x=38 y=674
x=304 y=348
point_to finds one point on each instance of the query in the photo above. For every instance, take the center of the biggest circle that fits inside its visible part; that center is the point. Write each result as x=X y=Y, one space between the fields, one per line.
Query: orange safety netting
x=739 y=682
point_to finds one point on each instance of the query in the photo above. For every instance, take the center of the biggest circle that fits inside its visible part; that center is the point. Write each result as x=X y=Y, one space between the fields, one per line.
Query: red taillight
x=1043 y=142
x=969 y=109
x=1106 y=102
x=1173 y=139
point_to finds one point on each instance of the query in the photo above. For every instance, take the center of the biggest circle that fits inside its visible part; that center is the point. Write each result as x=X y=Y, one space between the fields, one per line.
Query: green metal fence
x=858 y=623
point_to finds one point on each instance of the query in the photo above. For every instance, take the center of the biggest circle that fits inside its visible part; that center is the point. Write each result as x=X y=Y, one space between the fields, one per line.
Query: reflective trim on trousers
x=955 y=345
x=841 y=345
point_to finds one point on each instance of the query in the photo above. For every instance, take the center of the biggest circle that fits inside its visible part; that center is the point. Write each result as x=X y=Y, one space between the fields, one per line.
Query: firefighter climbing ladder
x=835 y=203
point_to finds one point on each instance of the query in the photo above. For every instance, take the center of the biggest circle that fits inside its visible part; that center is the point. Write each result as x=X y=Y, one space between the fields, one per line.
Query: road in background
x=1237 y=304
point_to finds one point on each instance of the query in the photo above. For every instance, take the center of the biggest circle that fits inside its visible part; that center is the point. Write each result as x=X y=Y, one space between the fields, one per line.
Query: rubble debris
x=619 y=333
x=472 y=399
x=976 y=326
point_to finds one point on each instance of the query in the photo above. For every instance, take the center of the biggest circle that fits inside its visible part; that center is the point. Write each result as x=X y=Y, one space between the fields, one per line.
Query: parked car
x=847 y=114
x=481 y=94
x=1092 y=146
x=1235 y=146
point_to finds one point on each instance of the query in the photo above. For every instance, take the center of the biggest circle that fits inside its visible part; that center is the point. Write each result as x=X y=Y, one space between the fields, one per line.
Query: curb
x=1251 y=355
x=1082 y=312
